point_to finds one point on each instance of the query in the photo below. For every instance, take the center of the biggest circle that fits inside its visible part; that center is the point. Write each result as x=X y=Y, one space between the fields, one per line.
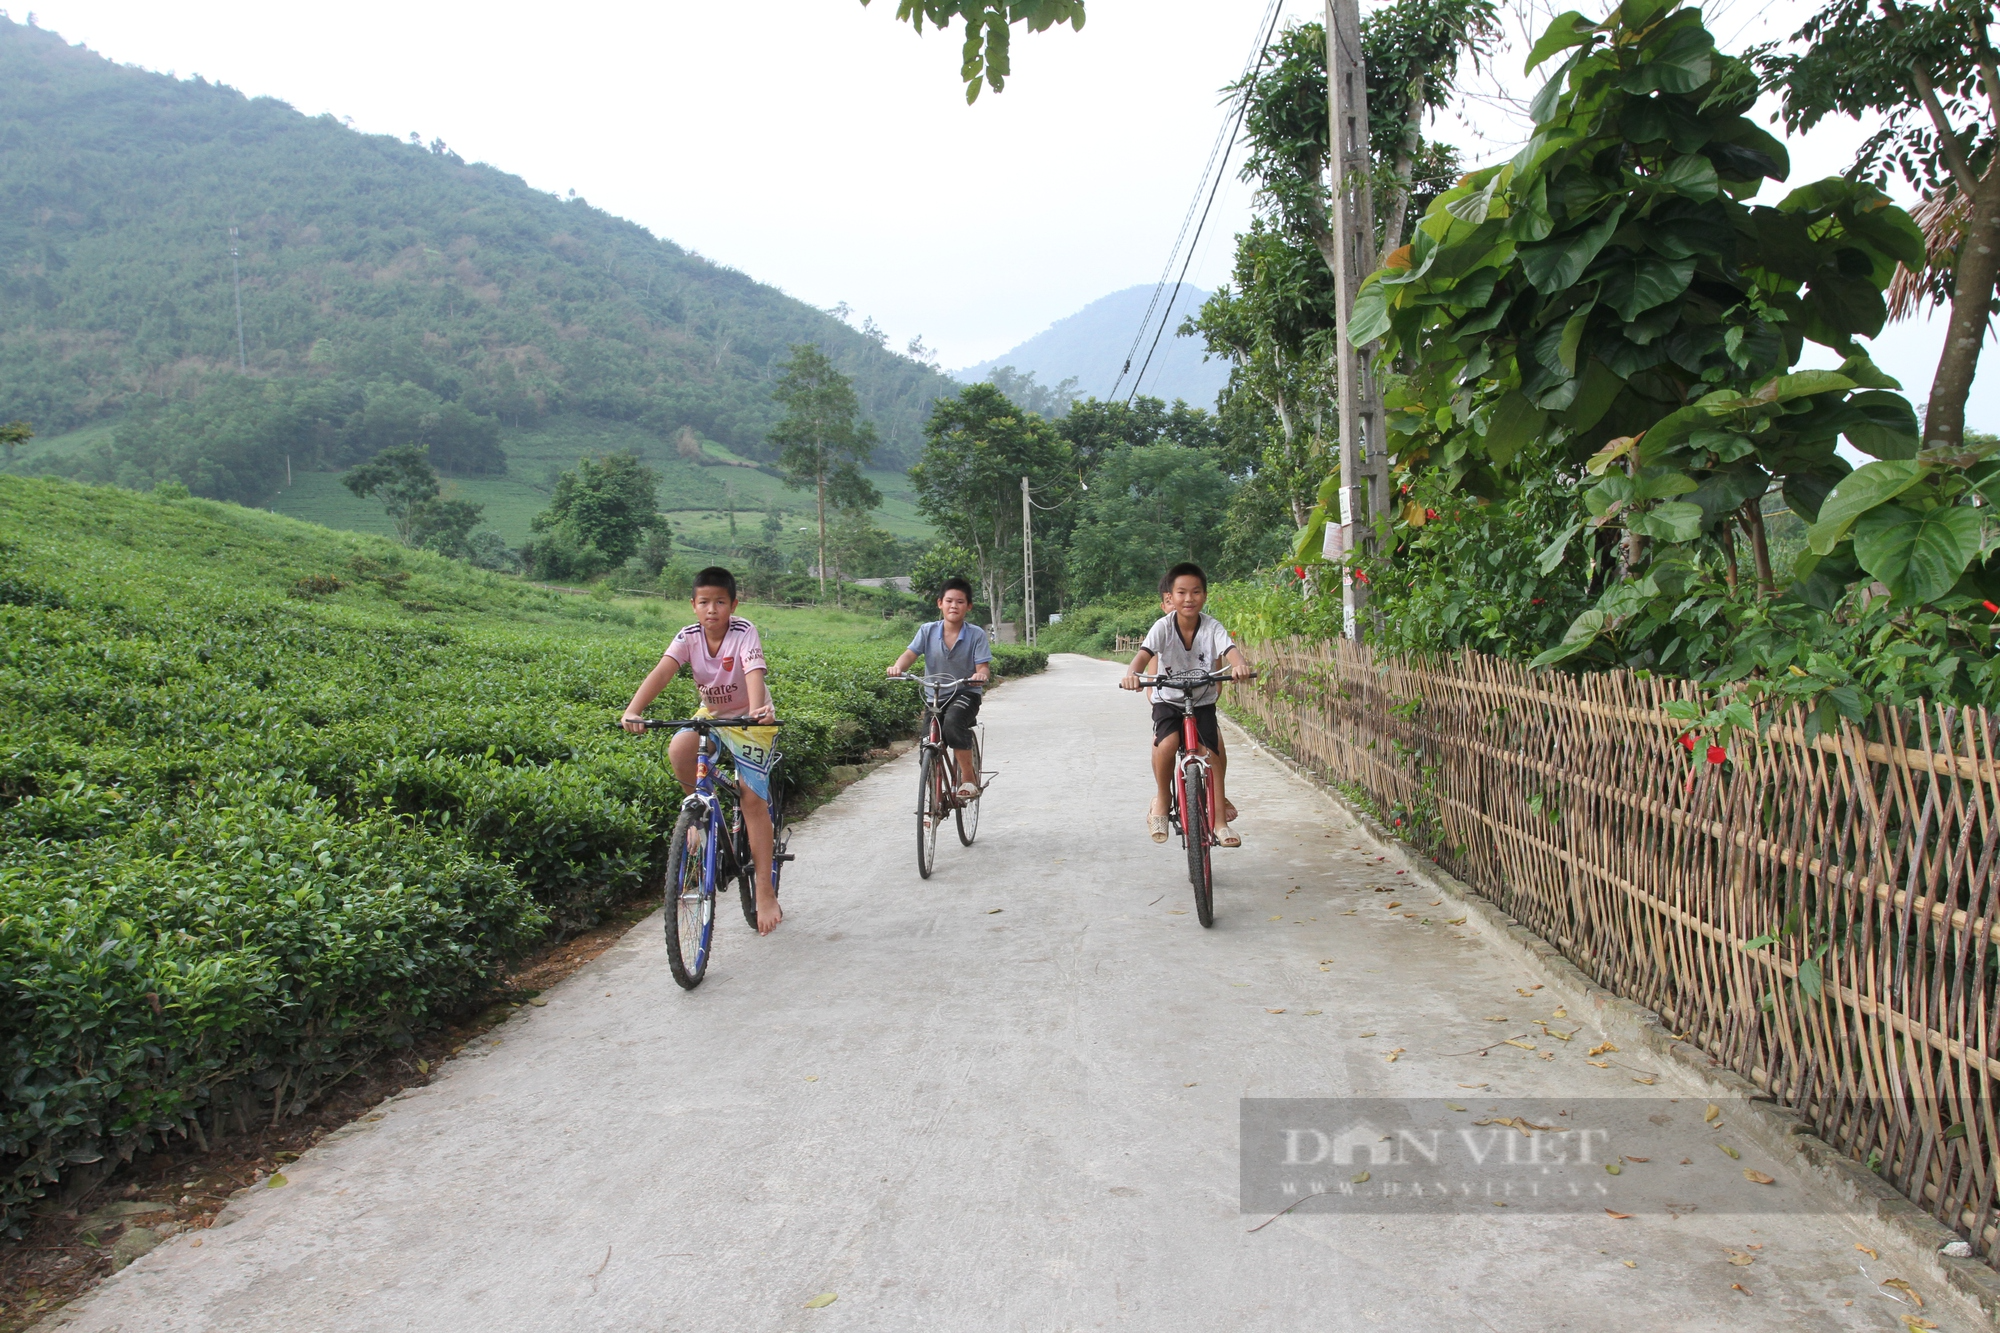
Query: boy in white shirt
x=1187 y=640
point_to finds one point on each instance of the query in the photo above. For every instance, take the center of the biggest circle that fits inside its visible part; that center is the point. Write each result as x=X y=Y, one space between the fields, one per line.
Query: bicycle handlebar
x=1188 y=680
x=657 y=724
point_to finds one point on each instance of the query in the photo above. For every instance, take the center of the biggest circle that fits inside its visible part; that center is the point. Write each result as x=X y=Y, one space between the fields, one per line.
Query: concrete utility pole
x=236 y=271
x=1027 y=565
x=1364 y=462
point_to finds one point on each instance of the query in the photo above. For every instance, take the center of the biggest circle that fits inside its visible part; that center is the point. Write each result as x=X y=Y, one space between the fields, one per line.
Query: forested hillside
x=390 y=292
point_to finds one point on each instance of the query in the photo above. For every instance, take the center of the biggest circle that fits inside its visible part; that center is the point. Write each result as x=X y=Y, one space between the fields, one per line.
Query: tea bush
x=249 y=837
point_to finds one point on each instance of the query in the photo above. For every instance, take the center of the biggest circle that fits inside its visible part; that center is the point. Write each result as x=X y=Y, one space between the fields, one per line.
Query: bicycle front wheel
x=1194 y=832
x=930 y=810
x=690 y=898
x=968 y=812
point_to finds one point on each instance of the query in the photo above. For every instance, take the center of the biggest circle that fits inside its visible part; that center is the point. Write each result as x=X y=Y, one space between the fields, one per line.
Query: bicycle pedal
x=784 y=856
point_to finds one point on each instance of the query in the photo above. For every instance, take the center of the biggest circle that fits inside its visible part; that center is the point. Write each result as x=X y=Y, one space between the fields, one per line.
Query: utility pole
x=1027 y=565
x=1364 y=462
x=236 y=270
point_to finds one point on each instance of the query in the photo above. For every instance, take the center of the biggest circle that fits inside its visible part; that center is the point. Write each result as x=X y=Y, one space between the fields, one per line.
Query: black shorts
x=957 y=718
x=1167 y=722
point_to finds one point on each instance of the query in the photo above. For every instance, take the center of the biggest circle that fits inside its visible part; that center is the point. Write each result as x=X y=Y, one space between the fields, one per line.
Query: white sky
x=826 y=149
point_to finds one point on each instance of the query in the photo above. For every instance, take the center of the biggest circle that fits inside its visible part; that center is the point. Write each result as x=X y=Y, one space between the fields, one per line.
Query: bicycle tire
x=779 y=834
x=746 y=865
x=689 y=894
x=968 y=812
x=928 y=812
x=1195 y=832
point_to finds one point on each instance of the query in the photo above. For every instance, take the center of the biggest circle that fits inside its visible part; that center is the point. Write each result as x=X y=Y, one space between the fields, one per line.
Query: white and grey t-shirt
x=1211 y=641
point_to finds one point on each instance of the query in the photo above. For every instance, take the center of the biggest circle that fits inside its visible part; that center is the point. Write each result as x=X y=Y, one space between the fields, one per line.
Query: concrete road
x=1008 y=1098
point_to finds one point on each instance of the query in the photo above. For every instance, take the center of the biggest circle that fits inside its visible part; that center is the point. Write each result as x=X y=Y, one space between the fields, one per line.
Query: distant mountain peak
x=1091 y=345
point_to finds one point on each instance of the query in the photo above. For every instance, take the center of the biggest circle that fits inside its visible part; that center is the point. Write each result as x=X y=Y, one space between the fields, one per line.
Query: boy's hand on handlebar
x=1241 y=672
x=895 y=674
x=633 y=723
x=1130 y=682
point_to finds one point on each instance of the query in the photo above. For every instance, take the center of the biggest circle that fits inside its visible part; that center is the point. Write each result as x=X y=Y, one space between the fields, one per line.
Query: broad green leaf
x=1476 y=206
x=1563 y=32
x=1513 y=423
x=1600 y=389
x=1572 y=337
x=1306 y=545
x=1917 y=553
x=1370 y=319
x=1552 y=554
x=1674 y=521
x=1599 y=462
x=1582 y=632
x=1865 y=373
x=1558 y=262
x=1891 y=430
x=1656 y=483
x=1861 y=490
x=1673 y=430
x=1727 y=446
x=1692 y=176
x=1649 y=282
x=1530 y=220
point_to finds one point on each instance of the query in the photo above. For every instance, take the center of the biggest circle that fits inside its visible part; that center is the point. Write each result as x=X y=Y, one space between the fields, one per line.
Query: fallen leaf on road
x=1548 y=1055
x=991 y=911
x=1474 y=1086
x=1740 y=1259
x=821 y=1301
x=423 y=1066
x=1517 y=1122
x=812 y=1078
x=278 y=1182
x=1917 y=1321
x=1603 y=1049
x=1453 y=1106
x=1393 y=906
x=1361 y=1178
x=1712 y=1112
x=1903 y=1286
x=1349 y=912
x=1865 y=1250
x=1274 y=1011
x=1364 y=1034
x=1456 y=921
x=1529 y=991
x=1758 y=1177
x=1516 y=1041
x=1647 y=1081
x=1738 y=1286
x=1601 y=1064
x=1176 y=911
x=1496 y=1018
x=1622 y=1217
x=1628 y=1263
x=1277 y=918
x=1614 y=1169
x=1730 y=1152
x=1630 y=1158
x=1187 y=1085
x=1687 y=1161
x=1391 y=1056
x=1561 y=1013
x=1314 y=1013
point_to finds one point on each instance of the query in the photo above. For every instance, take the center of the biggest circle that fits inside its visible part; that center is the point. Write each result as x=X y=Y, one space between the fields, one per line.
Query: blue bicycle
x=710 y=845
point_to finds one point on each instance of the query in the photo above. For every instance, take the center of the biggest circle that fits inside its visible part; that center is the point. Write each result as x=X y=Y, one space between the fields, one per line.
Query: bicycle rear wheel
x=968 y=813
x=746 y=865
x=1194 y=832
x=690 y=898
x=930 y=811
x=779 y=833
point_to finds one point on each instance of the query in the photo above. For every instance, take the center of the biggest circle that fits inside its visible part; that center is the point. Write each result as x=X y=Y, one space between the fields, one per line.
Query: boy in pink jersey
x=726 y=658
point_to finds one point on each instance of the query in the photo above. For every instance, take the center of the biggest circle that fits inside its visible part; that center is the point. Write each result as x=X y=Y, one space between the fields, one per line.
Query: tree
x=820 y=445
x=977 y=448
x=15 y=434
x=404 y=481
x=1147 y=507
x=988 y=34
x=600 y=513
x=1051 y=401
x=1604 y=302
x=1096 y=429
x=1931 y=73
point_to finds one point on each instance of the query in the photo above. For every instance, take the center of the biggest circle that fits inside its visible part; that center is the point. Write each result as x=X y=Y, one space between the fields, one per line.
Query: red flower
x=1687 y=741
x=1300 y=570
x=1360 y=577
x=1534 y=601
x=1990 y=607
x=1430 y=515
x=1716 y=754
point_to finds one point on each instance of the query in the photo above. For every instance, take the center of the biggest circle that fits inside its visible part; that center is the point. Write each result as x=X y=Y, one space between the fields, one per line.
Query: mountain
x=1092 y=344
x=390 y=292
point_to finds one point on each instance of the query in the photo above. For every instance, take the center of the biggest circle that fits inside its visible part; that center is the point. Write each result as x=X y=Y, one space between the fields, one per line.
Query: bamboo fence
x=1572 y=803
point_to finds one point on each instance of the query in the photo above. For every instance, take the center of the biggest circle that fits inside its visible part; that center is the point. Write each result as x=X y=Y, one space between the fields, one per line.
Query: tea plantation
x=273 y=798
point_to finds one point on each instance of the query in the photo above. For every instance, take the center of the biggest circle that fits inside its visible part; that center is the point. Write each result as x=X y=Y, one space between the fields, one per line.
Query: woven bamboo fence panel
x=1570 y=803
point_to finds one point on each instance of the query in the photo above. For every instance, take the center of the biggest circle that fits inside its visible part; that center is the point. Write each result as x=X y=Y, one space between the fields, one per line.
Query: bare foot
x=1228 y=811
x=769 y=914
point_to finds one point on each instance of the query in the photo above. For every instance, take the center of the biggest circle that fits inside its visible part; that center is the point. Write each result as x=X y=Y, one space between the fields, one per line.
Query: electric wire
x=1218 y=157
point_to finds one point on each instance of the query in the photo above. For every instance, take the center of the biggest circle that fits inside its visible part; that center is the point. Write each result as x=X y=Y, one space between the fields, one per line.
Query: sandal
x=968 y=791
x=1157 y=826
x=1226 y=836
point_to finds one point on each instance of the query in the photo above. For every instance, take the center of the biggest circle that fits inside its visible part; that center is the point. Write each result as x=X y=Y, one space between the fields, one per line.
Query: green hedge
x=274 y=798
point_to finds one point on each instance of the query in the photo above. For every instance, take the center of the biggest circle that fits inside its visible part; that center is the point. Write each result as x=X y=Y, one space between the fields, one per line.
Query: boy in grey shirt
x=950 y=647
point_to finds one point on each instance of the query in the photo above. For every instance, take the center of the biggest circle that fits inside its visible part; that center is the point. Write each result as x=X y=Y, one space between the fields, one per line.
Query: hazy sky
x=826 y=149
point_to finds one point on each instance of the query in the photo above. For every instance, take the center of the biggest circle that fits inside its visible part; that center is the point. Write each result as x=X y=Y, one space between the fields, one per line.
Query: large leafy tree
x=1147 y=507
x=1931 y=74
x=985 y=55
x=598 y=517
x=822 y=443
x=977 y=448
x=1605 y=301
x=407 y=486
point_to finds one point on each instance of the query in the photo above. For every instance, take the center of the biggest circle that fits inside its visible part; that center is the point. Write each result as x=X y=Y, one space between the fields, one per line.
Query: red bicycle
x=1193 y=811
x=937 y=772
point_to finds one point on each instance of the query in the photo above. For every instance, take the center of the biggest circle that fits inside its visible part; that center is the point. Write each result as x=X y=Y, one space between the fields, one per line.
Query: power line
x=1218 y=158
